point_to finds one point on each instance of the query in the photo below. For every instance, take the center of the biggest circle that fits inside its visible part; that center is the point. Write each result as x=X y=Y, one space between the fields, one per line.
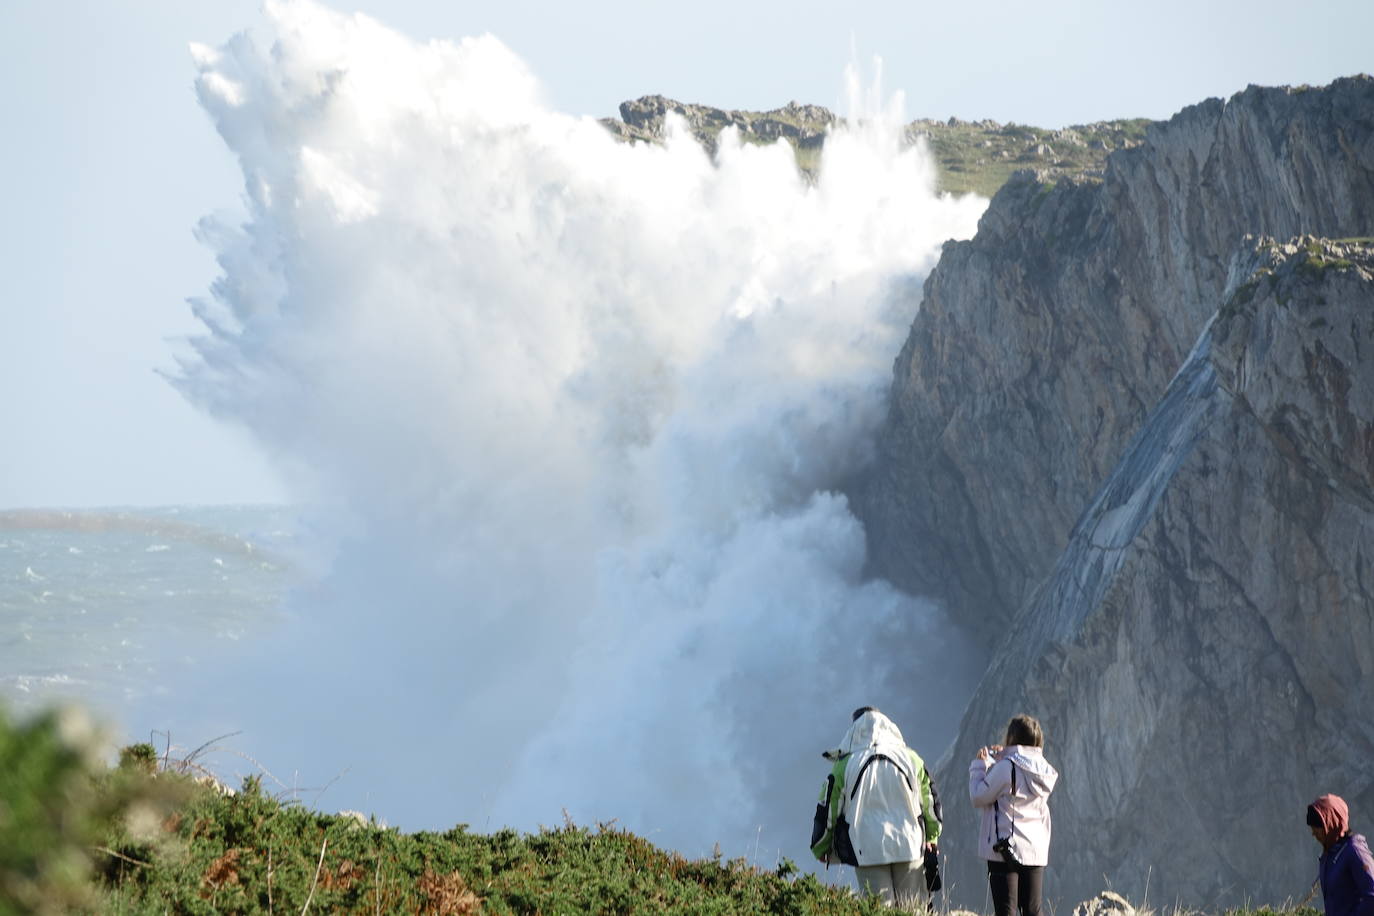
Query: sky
x=111 y=162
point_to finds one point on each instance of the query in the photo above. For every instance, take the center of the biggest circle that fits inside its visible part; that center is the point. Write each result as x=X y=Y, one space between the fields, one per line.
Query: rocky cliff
x=1135 y=450
x=1201 y=654
x=1041 y=343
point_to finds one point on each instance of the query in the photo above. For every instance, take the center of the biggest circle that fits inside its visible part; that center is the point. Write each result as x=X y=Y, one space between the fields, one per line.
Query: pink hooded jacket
x=1023 y=815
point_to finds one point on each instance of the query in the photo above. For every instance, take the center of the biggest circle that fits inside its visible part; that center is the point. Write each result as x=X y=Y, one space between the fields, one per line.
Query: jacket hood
x=869 y=729
x=1332 y=813
x=1031 y=762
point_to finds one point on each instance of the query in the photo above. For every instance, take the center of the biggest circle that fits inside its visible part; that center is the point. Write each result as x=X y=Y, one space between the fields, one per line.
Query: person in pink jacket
x=1011 y=785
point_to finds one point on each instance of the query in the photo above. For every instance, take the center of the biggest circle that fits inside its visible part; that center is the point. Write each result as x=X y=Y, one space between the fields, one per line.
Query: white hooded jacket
x=1023 y=815
x=882 y=792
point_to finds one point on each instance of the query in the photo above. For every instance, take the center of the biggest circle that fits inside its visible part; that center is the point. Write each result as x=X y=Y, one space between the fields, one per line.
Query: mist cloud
x=574 y=414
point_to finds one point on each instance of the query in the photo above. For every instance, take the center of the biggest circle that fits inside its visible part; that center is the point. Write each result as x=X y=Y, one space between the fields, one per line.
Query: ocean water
x=109 y=607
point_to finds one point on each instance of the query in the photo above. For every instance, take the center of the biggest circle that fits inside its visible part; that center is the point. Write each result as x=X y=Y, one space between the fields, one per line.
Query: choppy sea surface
x=105 y=606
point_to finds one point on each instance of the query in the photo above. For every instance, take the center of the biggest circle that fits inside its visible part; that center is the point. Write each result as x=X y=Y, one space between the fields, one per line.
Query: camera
x=1003 y=848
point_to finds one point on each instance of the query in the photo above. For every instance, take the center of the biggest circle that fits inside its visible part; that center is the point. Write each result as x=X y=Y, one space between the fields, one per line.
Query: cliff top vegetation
x=972 y=156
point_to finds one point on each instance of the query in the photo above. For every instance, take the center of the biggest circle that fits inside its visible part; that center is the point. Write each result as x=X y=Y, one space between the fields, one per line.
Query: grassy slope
x=158 y=835
x=981 y=157
x=249 y=852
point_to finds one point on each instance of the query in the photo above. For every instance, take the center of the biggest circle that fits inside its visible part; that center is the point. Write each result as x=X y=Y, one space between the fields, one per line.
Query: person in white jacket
x=1011 y=785
x=879 y=811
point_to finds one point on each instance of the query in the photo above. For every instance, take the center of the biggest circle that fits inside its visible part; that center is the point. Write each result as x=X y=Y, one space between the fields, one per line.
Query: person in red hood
x=1346 y=869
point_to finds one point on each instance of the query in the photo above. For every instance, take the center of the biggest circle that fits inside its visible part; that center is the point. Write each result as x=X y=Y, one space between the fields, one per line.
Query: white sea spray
x=575 y=415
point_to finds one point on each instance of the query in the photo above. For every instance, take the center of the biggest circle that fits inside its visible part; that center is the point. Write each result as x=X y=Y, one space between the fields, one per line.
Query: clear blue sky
x=109 y=161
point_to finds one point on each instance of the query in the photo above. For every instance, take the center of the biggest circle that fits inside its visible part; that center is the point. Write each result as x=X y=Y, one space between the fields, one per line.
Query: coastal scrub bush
x=48 y=812
x=60 y=803
x=249 y=852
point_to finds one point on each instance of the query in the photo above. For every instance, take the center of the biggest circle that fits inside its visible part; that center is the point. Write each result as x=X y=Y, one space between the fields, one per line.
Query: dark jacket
x=1347 y=875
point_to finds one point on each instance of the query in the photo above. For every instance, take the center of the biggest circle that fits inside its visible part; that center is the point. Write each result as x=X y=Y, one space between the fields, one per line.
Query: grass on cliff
x=154 y=835
x=980 y=157
x=975 y=157
x=249 y=853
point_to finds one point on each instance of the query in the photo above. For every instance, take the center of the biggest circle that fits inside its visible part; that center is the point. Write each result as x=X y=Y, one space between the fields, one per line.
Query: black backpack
x=840 y=845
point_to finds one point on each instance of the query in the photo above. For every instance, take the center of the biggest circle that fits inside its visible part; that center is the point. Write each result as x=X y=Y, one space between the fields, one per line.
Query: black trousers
x=1015 y=887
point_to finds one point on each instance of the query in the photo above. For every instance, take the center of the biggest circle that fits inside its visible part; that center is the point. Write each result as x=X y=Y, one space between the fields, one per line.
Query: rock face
x=1041 y=344
x=642 y=119
x=1133 y=447
x=1107 y=903
x=1202 y=654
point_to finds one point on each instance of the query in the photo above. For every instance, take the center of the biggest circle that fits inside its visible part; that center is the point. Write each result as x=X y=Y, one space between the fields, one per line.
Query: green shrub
x=49 y=812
